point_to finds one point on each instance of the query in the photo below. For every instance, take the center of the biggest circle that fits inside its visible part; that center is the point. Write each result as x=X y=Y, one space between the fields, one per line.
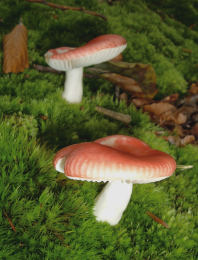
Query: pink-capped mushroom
x=72 y=60
x=119 y=160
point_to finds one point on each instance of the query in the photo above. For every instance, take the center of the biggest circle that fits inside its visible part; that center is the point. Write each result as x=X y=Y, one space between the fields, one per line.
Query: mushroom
x=119 y=160
x=72 y=60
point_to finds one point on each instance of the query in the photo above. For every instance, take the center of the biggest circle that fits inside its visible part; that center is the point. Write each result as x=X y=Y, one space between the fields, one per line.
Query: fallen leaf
x=127 y=84
x=193 y=89
x=44 y=117
x=179 y=118
x=159 y=108
x=15 y=50
x=188 y=139
x=177 y=141
x=158 y=220
x=140 y=102
x=124 y=97
x=118 y=58
x=140 y=76
x=194 y=130
x=191 y=100
x=171 y=99
x=178 y=130
x=194 y=117
x=173 y=139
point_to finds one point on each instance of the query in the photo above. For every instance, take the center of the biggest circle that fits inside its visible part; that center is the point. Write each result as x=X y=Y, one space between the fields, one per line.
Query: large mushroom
x=119 y=160
x=72 y=60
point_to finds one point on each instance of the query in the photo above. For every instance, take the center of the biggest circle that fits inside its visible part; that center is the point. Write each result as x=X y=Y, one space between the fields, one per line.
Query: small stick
x=115 y=115
x=42 y=68
x=117 y=92
x=158 y=220
x=64 y=8
x=184 y=167
x=10 y=221
x=45 y=69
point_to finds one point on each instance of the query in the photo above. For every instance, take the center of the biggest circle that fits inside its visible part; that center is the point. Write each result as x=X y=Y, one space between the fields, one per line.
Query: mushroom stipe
x=119 y=160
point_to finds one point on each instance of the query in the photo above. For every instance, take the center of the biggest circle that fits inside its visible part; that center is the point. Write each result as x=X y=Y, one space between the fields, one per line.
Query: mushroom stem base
x=112 y=201
x=73 y=90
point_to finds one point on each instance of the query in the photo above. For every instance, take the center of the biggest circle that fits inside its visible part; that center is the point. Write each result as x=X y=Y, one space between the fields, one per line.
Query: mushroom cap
x=100 y=49
x=112 y=158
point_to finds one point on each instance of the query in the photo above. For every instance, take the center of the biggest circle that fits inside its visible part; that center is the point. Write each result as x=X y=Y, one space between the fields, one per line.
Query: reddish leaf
x=10 y=222
x=15 y=50
x=158 y=220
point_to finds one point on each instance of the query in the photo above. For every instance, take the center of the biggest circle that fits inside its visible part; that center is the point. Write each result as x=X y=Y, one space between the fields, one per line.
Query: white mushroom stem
x=73 y=90
x=112 y=201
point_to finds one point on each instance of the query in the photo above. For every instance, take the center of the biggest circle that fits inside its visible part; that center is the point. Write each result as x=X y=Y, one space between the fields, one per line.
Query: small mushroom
x=119 y=160
x=72 y=60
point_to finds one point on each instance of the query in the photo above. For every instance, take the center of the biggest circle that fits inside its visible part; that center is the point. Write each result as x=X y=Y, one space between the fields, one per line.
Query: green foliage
x=52 y=214
x=184 y=11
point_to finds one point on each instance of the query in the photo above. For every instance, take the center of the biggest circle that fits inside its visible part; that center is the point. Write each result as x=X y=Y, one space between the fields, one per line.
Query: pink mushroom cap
x=100 y=49
x=113 y=158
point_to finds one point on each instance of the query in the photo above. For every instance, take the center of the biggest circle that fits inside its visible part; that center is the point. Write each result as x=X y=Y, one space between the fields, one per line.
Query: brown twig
x=115 y=115
x=64 y=8
x=10 y=221
x=158 y=220
x=42 y=68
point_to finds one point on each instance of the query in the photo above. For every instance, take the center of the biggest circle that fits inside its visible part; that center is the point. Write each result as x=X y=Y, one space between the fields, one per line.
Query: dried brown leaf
x=179 y=118
x=160 y=108
x=193 y=89
x=133 y=75
x=178 y=130
x=171 y=99
x=124 y=97
x=126 y=83
x=140 y=102
x=194 y=130
x=15 y=50
x=166 y=113
x=118 y=58
x=172 y=139
x=188 y=139
x=176 y=140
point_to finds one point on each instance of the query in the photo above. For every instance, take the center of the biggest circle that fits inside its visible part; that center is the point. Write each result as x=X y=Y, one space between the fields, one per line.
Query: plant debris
x=156 y=219
x=137 y=79
x=15 y=50
x=136 y=83
x=10 y=221
x=115 y=115
x=64 y=8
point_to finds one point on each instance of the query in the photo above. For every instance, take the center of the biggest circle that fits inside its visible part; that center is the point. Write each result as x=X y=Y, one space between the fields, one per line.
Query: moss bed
x=52 y=215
